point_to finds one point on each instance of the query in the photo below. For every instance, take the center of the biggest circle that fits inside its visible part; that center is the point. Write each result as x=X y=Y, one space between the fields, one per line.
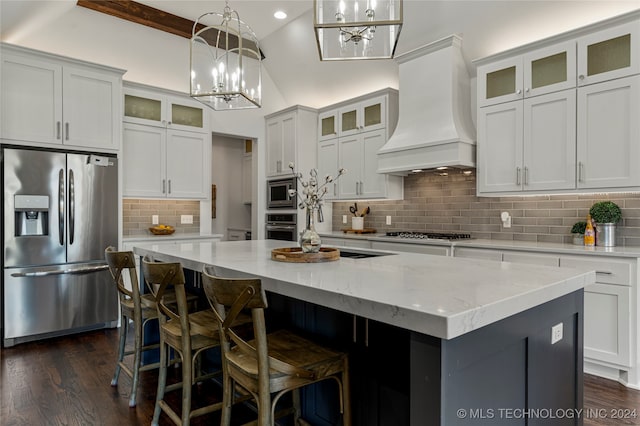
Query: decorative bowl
x=165 y=230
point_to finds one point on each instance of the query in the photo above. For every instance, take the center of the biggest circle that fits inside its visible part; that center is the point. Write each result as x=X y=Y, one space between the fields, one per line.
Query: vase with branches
x=311 y=198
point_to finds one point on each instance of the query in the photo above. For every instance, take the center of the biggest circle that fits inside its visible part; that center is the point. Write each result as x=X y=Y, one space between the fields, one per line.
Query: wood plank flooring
x=65 y=381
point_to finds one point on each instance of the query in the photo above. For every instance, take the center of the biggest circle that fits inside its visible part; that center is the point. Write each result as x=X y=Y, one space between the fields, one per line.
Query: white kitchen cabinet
x=608 y=145
x=363 y=127
x=53 y=100
x=345 y=242
x=545 y=70
x=358 y=155
x=160 y=163
x=328 y=125
x=364 y=116
x=411 y=248
x=608 y=54
x=235 y=234
x=328 y=165
x=528 y=145
x=161 y=108
x=291 y=136
x=531 y=258
x=477 y=253
x=606 y=324
x=573 y=140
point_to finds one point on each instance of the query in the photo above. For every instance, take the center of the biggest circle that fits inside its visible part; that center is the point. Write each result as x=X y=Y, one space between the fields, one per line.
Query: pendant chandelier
x=357 y=29
x=226 y=63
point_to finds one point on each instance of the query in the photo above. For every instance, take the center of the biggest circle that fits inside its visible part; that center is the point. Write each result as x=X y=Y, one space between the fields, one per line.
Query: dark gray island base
x=431 y=340
x=506 y=373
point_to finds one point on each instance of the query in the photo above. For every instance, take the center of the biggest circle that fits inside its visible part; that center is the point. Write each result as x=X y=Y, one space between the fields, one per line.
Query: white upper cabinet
x=363 y=127
x=363 y=116
x=281 y=141
x=609 y=54
x=161 y=163
x=328 y=125
x=155 y=108
x=50 y=100
x=542 y=71
x=166 y=145
x=291 y=136
x=328 y=165
x=562 y=127
x=609 y=134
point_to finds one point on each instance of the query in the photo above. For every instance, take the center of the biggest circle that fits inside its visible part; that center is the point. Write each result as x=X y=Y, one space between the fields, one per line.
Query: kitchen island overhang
x=479 y=330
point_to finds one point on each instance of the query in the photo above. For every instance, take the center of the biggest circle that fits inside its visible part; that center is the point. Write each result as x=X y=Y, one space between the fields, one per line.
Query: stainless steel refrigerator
x=60 y=213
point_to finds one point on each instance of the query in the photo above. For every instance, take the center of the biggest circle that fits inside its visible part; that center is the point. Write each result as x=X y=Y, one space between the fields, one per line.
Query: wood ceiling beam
x=151 y=17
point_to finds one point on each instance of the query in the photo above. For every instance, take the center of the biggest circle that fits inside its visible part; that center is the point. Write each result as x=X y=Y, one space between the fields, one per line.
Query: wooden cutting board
x=360 y=231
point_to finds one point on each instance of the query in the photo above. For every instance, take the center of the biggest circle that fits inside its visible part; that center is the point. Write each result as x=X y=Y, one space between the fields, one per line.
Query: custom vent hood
x=434 y=124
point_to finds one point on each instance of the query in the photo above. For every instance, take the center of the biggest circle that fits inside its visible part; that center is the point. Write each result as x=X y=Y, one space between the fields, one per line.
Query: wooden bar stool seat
x=135 y=307
x=189 y=334
x=269 y=365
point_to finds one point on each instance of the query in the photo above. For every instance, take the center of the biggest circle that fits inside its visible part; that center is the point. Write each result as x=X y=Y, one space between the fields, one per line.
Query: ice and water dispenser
x=32 y=215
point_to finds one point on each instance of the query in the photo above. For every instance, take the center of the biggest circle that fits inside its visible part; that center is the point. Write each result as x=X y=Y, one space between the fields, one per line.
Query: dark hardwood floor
x=65 y=381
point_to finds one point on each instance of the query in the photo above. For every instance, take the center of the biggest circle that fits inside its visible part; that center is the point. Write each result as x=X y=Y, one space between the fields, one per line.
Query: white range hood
x=434 y=125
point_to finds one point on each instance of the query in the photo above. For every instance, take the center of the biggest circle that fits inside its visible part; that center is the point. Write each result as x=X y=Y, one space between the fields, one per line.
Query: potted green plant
x=605 y=214
x=578 y=232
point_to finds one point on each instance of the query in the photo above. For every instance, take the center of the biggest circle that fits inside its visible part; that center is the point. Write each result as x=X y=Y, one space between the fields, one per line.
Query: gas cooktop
x=429 y=235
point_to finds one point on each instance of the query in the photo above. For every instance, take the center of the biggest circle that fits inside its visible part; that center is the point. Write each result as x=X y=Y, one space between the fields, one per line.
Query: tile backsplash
x=136 y=215
x=449 y=203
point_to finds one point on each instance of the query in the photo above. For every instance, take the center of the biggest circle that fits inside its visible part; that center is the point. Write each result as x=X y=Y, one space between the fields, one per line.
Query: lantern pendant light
x=226 y=63
x=357 y=29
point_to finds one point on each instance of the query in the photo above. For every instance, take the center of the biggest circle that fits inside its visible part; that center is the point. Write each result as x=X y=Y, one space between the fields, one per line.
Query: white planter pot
x=578 y=239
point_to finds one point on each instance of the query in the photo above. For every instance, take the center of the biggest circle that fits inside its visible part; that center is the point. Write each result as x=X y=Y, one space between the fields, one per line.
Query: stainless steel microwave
x=278 y=193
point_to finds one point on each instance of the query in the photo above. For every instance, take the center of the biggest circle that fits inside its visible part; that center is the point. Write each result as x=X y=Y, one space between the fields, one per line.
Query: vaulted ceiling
x=292 y=63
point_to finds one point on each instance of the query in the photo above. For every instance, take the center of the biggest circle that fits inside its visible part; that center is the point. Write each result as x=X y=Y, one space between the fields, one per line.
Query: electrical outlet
x=155 y=219
x=344 y=218
x=186 y=219
x=388 y=220
x=556 y=333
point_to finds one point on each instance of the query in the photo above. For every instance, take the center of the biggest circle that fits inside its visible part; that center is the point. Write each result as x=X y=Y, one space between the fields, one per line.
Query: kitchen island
x=472 y=336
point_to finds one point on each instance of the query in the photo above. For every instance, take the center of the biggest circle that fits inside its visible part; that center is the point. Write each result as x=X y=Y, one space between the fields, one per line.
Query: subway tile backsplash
x=449 y=203
x=136 y=215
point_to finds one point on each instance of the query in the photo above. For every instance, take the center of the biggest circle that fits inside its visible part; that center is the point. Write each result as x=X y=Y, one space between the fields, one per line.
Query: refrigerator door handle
x=72 y=207
x=61 y=206
x=83 y=270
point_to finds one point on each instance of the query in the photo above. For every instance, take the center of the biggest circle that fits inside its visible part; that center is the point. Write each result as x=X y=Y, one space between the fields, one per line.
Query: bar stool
x=189 y=334
x=140 y=308
x=272 y=364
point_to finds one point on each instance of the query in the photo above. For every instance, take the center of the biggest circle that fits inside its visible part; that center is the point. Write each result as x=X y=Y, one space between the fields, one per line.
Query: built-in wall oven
x=281 y=226
x=278 y=196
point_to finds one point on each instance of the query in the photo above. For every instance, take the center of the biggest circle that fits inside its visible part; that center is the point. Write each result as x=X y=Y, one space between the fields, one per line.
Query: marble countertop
x=440 y=296
x=175 y=236
x=498 y=245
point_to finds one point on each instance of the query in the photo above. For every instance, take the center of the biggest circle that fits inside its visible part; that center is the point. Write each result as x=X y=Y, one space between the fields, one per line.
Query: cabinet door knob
x=164 y=186
x=518 y=92
x=526 y=90
x=526 y=176
x=518 y=176
x=66 y=130
x=169 y=186
x=58 y=127
x=581 y=77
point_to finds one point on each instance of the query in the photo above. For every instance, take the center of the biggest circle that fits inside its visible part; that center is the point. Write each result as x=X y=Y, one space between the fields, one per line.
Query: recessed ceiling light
x=279 y=14
x=416 y=170
x=442 y=168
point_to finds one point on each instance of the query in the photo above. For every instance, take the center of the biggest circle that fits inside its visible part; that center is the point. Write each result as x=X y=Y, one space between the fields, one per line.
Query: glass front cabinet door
x=328 y=125
x=362 y=117
x=609 y=54
x=542 y=71
x=155 y=109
